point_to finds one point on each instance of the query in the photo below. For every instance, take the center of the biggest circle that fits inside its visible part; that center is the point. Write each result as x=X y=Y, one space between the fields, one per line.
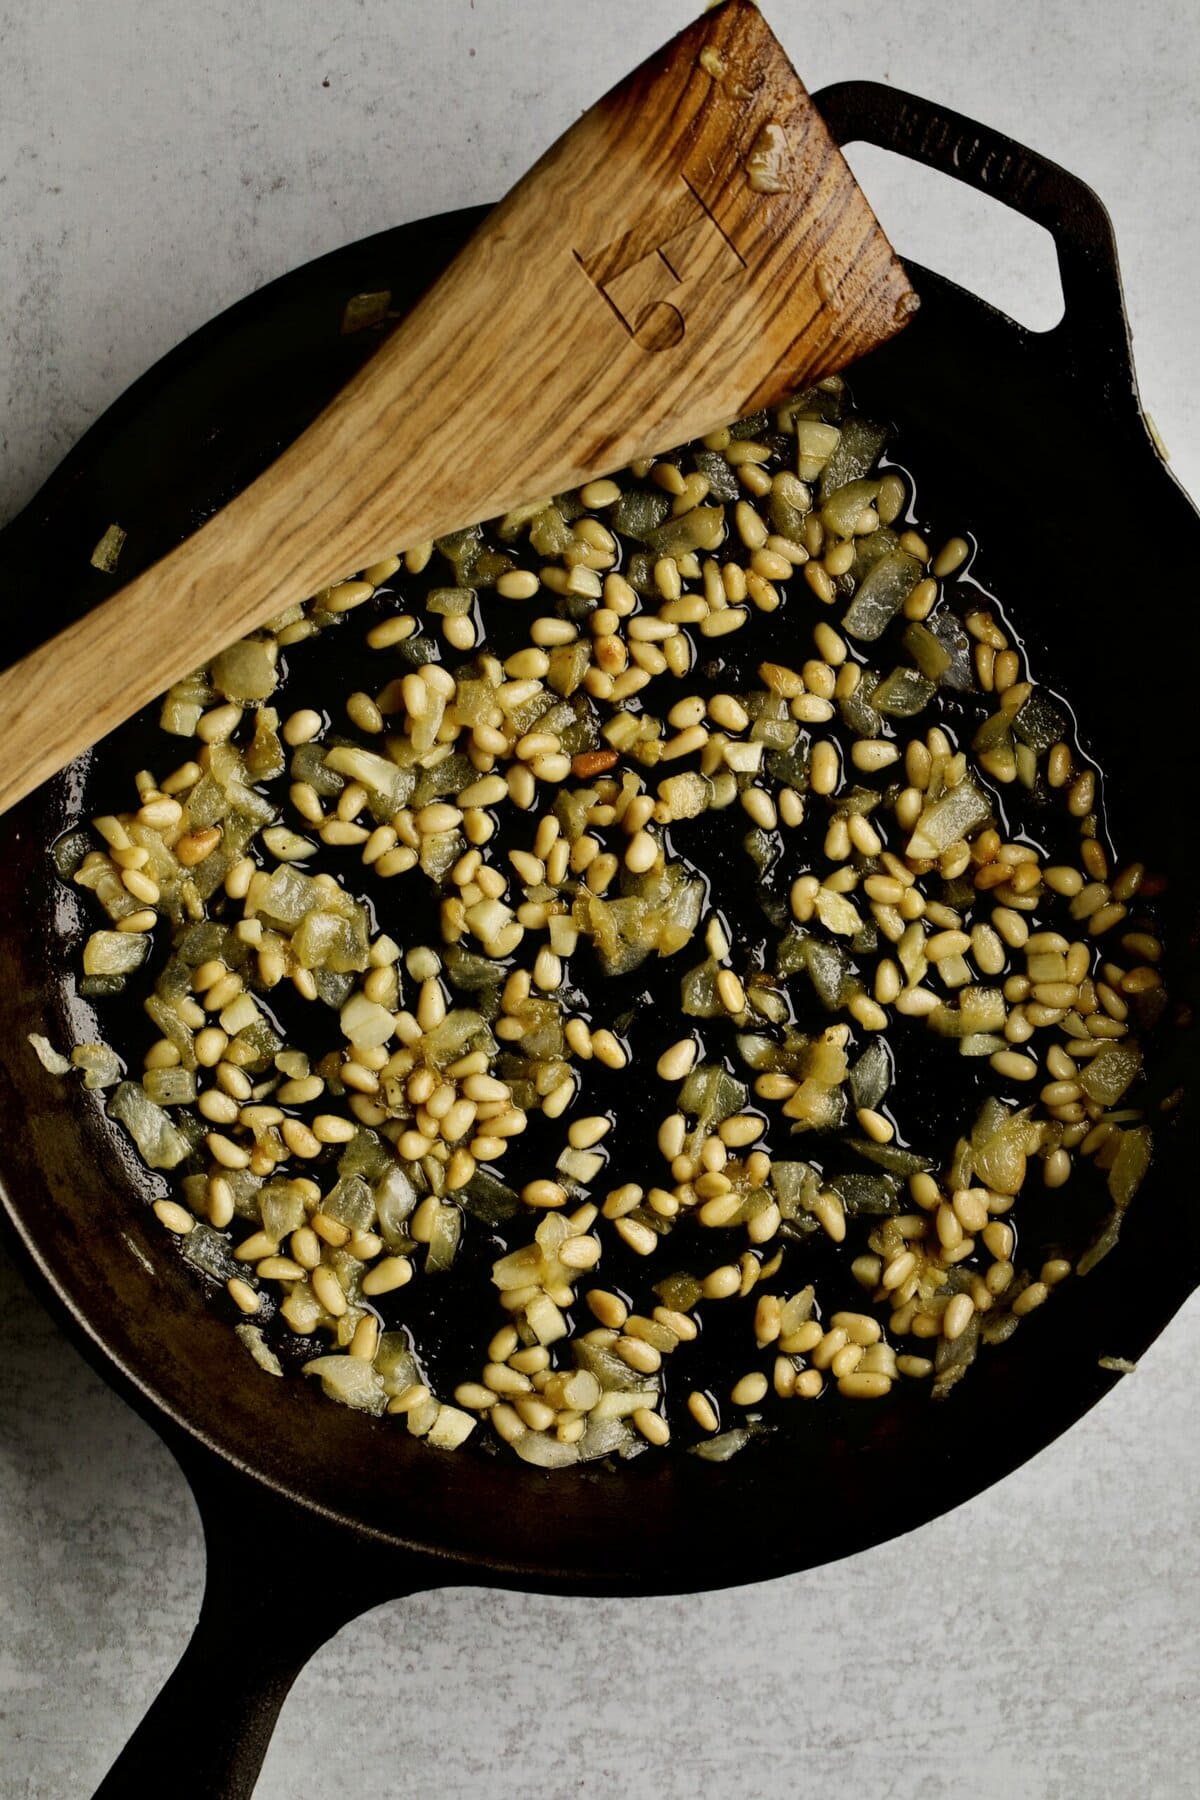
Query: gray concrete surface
x=155 y=164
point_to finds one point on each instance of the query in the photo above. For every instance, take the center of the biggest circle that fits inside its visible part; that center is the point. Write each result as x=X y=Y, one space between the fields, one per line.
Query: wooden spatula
x=693 y=248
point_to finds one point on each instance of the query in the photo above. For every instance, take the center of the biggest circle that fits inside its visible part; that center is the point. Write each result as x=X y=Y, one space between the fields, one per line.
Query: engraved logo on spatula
x=652 y=276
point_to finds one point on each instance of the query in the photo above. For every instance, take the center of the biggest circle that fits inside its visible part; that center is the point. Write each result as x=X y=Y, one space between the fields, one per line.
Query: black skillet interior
x=1034 y=442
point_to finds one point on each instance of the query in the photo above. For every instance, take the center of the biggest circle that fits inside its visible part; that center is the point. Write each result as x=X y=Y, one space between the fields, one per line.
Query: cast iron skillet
x=1002 y=425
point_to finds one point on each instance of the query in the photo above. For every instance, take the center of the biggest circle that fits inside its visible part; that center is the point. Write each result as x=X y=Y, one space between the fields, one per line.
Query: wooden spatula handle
x=693 y=247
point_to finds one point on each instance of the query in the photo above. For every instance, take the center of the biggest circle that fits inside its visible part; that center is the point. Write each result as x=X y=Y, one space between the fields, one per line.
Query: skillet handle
x=1093 y=335
x=279 y=1583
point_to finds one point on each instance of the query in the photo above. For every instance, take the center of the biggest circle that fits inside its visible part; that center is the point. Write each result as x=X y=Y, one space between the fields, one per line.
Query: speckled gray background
x=156 y=162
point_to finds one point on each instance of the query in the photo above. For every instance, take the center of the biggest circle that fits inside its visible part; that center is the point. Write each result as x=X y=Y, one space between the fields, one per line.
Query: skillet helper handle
x=279 y=1583
x=1093 y=334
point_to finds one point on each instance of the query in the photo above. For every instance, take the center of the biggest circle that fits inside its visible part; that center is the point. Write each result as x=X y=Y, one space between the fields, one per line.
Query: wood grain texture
x=637 y=288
